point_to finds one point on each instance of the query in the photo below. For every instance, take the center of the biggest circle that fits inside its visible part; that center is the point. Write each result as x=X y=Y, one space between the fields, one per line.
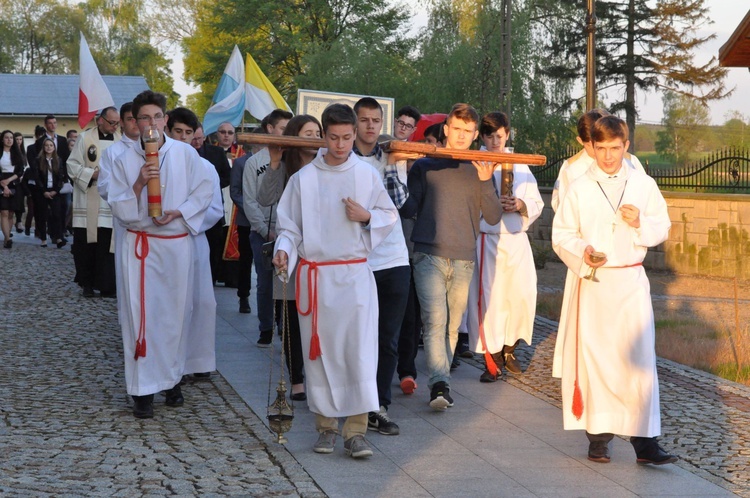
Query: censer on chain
x=280 y=413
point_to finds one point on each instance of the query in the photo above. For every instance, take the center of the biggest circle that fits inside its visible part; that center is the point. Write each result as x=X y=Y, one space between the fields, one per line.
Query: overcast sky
x=726 y=14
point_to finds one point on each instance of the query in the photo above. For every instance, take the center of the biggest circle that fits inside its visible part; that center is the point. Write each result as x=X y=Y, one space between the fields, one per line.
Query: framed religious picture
x=313 y=102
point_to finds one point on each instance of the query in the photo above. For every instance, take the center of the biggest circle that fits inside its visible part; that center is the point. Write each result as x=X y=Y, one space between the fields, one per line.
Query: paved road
x=67 y=429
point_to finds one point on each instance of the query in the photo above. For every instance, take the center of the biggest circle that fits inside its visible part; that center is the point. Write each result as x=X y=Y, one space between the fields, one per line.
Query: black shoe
x=28 y=232
x=19 y=228
x=8 y=244
x=202 y=375
x=244 y=305
x=599 y=451
x=174 y=396
x=88 y=291
x=108 y=295
x=487 y=377
x=298 y=397
x=440 y=397
x=266 y=337
x=143 y=406
x=379 y=421
x=61 y=243
x=648 y=451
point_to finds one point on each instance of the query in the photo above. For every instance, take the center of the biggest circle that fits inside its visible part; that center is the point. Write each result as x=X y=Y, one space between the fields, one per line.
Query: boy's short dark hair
x=336 y=114
x=274 y=117
x=464 y=112
x=586 y=122
x=182 y=115
x=70 y=132
x=367 y=103
x=610 y=128
x=493 y=121
x=39 y=131
x=126 y=107
x=48 y=117
x=148 y=97
x=409 y=111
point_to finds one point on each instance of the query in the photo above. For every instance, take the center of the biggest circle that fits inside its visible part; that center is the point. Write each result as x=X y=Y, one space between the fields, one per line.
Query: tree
x=686 y=122
x=642 y=45
x=735 y=132
x=285 y=38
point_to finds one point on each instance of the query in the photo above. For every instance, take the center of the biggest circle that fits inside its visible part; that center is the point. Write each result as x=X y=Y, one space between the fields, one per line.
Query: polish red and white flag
x=93 y=94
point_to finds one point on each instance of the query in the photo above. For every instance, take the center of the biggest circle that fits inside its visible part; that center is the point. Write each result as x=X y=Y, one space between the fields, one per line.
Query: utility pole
x=590 y=57
x=505 y=62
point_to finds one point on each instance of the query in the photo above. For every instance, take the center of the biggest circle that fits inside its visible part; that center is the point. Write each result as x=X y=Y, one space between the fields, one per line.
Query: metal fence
x=726 y=170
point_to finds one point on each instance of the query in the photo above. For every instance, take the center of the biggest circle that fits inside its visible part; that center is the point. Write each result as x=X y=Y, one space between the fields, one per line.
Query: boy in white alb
x=608 y=362
x=332 y=213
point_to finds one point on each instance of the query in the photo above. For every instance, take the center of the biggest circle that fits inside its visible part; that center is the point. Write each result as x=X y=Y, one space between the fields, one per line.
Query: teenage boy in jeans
x=447 y=197
x=332 y=213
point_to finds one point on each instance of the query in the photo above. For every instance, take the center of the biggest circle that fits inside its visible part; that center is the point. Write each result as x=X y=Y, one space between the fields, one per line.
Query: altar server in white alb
x=502 y=294
x=333 y=212
x=608 y=362
x=156 y=285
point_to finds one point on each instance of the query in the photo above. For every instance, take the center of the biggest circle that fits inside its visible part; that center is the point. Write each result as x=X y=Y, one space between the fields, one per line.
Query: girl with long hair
x=285 y=163
x=11 y=171
x=49 y=175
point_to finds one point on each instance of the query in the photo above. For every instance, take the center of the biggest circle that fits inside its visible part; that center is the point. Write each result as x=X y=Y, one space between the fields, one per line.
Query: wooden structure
x=402 y=147
x=736 y=51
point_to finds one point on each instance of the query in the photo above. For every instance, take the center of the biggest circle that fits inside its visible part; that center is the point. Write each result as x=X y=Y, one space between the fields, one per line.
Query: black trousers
x=244 y=276
x=95 y=265
x=408 y=341
x=215 y=236
x=292 y=342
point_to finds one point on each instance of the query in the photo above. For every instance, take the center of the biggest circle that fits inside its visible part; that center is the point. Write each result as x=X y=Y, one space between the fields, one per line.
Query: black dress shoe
x=648 y=452
x=244 y=305
x=174 y=396
x=202 y=375
x=88 y=291
x=144 y=406
x=599 y=451
x=298 y=397
x=487 y=377
x=61 y=243
x=109 y=295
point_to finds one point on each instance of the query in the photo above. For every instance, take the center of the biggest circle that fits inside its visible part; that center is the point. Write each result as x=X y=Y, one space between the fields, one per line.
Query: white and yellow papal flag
x=260 y=95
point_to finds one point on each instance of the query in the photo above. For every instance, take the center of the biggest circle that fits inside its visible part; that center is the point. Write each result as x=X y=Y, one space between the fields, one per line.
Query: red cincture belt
x=141 y=252
x=312 y=296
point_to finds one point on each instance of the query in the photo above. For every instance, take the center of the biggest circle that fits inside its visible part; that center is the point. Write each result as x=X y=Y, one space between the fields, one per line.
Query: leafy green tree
x=641 y=45
x=685 y=131
x=735 y=132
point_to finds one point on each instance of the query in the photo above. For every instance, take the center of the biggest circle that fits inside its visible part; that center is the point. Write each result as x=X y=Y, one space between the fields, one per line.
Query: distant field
x=654 y=159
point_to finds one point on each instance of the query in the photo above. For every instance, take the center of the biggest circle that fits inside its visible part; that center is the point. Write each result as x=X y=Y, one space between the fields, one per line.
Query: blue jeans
x=264 y=289
x=443 y=290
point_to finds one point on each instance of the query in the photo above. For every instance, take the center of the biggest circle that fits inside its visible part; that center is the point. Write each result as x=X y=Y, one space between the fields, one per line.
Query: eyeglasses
x=111 y=123
x=226 y=132
x=149 y=119
x=405 y=126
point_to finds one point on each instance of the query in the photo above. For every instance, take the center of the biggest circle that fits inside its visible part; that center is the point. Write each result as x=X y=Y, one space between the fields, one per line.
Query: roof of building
x=736 y=51
x=42 y=94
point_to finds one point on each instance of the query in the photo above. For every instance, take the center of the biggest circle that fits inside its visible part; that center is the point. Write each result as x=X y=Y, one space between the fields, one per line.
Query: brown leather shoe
x=599 y=451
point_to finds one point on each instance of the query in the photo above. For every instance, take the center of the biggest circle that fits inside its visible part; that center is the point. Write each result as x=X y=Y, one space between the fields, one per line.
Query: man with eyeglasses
x=216 y=156
x=92 y=218
x=226 y=136
x=406 y=122
x=156 y=290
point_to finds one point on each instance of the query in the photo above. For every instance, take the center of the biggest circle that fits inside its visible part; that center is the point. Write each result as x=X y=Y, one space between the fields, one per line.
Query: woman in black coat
x=11 y=171
x=49 y=175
